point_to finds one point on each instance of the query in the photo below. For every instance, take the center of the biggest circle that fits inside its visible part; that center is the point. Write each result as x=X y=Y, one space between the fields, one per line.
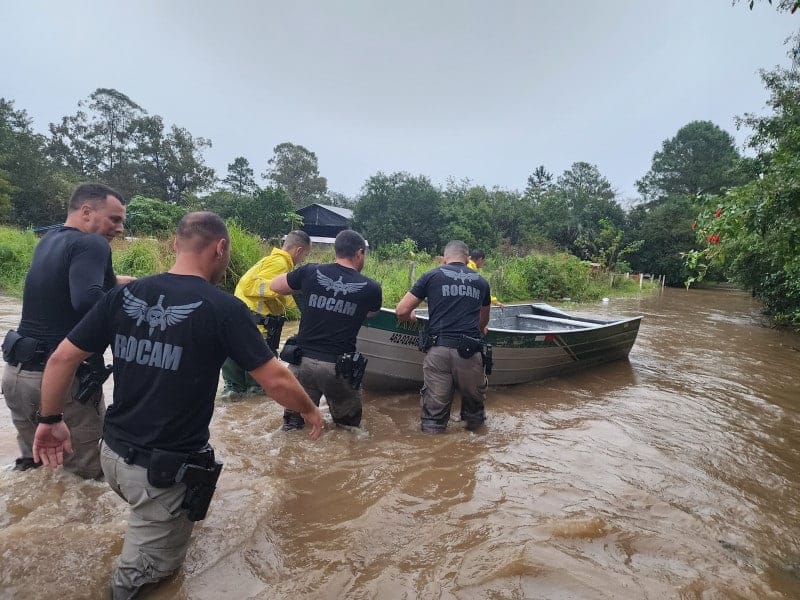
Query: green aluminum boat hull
x=529 y=342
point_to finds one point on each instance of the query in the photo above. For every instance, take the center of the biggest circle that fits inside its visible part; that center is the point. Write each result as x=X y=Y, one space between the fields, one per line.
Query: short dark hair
x=196 y=230
x=297 y=238
x=456 y=248
x=96 y=193
x=347 y=243
x=476 y=254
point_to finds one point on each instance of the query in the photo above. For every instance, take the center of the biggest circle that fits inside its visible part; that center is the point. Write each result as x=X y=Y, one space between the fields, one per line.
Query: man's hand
x=50 y=442
x=123 y=279
x=313 y=418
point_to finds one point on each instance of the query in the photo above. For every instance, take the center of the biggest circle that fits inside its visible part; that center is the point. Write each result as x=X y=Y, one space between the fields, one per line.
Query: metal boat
x=529 y=342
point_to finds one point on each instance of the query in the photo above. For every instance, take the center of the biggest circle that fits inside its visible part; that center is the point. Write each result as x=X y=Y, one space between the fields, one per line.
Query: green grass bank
x=539 y=277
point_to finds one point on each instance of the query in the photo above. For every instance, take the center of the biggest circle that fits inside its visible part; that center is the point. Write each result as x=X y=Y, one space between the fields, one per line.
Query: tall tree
x=95 y=142
x=240 y=179
x=394 y=207
x=700 y=159
x=540 y=181
x=574 y=207
x=36 y=189
x=294 y=169
x=467 y=215
x=170 y=165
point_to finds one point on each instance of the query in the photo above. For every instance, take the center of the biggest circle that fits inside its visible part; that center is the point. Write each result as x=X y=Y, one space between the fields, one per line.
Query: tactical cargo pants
x=22 y=391
x=443 y=372
x=158 y=533
x=319 y=377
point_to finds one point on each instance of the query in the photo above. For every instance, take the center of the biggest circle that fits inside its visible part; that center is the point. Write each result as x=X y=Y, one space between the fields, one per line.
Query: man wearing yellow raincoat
x=268 y=307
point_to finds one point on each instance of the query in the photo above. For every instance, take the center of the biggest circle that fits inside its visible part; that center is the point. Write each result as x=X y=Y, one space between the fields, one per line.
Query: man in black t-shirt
x=70 y=271
x=334 y=299
x=169 y=335
x=459 y=302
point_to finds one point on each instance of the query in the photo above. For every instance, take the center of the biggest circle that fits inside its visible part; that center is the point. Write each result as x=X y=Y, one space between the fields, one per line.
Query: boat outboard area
x=529 y=342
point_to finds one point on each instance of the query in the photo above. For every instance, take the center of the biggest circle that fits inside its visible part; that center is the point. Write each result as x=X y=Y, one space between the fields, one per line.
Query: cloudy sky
x=449 y=88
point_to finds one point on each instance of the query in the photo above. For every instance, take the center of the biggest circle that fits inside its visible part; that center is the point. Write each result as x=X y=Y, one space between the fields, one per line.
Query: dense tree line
x=113 y=139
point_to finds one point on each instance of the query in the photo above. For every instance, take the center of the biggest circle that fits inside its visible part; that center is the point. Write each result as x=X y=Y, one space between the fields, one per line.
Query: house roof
x=342 y=212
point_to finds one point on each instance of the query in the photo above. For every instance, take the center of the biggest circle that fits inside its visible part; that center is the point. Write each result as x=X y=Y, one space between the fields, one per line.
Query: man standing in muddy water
x=334 y=300
x=459 y=302
x=70 y=271
x=169 y=334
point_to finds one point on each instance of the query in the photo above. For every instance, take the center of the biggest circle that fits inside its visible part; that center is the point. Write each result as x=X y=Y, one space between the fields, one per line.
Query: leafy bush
x=16 y=252
x=150 y=216
x=544 y=277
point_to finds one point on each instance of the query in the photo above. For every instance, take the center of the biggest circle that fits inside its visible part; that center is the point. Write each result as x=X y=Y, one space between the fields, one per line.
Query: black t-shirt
x=69 y=273
x=455 y=296
x=334 y=301
x=169 y=335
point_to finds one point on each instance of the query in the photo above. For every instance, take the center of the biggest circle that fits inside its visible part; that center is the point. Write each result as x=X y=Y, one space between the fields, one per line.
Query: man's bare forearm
x=280 y=385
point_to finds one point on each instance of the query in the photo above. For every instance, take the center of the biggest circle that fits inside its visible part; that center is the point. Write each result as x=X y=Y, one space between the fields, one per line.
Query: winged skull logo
x=156 y=315
x=460 y=275
x=338 y=285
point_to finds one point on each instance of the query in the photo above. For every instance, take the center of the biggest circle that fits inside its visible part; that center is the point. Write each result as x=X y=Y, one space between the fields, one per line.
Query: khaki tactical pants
x=443 y=372
x=22 y=391
x=319 y=377
x=158 y=531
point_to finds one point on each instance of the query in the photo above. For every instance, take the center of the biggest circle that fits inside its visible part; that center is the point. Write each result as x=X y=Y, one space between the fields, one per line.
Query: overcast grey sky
x=449 y=88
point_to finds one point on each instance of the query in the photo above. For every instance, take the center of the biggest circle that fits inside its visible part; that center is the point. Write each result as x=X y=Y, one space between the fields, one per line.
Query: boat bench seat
x=569 y=322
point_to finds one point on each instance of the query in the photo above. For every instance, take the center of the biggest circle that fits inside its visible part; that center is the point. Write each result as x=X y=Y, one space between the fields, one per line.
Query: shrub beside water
x=16 y=252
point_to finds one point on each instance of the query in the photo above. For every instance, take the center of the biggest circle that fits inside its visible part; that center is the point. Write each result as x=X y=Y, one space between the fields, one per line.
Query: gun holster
x=486 y=354
x=201 y=482
x=352 y=366
x=291 y=352
x=468 y=346
x=91 y=375
x=273 y=325
x=425 y=341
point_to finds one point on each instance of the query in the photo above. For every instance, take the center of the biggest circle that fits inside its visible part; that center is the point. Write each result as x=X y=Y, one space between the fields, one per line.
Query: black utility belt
x=465 y=345
x=350 y=365
x=142 y=457
x=31 y=353
x=446 y=341
x=323 y=356
x=293 y=354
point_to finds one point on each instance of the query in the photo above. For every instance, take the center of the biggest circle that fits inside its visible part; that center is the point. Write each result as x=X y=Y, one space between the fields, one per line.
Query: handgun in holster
x=91 y=375
x=201 y=482
x=352 y=366
x=273 y=326
x=486 y=354
x=425 y=341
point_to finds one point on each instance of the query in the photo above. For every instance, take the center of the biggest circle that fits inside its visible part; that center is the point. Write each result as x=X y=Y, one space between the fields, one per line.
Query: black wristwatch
x=49 y=419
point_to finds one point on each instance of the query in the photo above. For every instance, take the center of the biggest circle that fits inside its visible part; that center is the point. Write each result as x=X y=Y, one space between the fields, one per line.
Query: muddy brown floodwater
x=675 y=474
